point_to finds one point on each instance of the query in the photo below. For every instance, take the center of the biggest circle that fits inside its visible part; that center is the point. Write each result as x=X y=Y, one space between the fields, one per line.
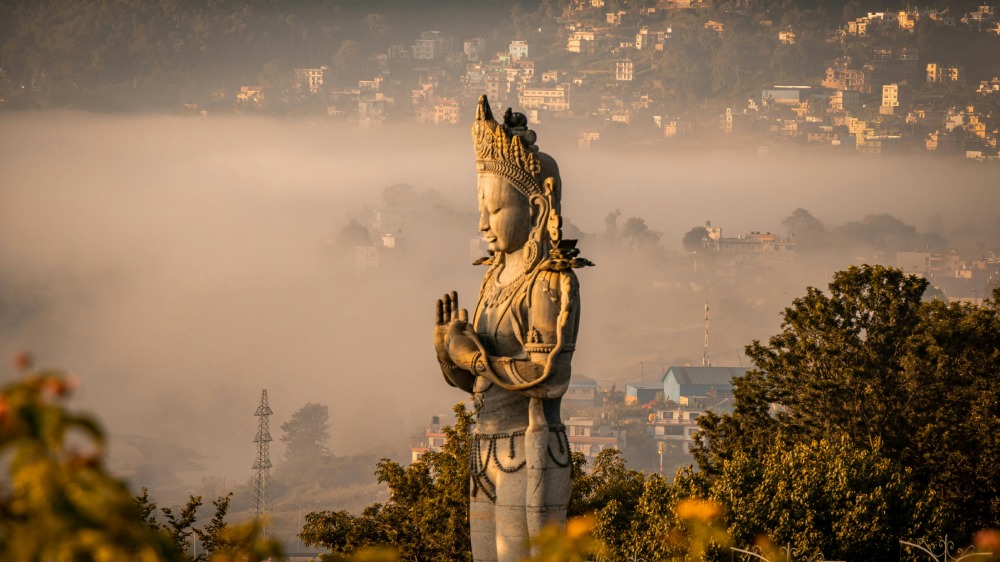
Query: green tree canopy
x=307 y=434
x=869 y=367
x=427 y=514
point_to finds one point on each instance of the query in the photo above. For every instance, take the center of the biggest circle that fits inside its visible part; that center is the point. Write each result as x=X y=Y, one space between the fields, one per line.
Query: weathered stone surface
x=514 y=353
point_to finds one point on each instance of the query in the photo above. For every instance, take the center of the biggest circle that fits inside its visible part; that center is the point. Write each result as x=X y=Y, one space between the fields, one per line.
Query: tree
x=611 y=230
x=639 y=236
x=808 y=231
x=179 y=527
x=873 y=371
x=836 y=366
x=306 y=435
x=694 y=239
x=213 y=536
x=885 y=233
x=427 y=514
x=825 y=496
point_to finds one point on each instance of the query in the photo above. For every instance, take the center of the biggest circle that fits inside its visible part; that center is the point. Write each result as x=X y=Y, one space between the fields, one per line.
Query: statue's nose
x=484 y=221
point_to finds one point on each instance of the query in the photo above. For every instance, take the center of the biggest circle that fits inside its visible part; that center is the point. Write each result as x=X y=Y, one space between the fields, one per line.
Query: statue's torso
x=503 y=326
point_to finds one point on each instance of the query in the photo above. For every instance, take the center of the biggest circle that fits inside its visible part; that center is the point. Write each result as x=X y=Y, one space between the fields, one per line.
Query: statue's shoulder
x=553 y=282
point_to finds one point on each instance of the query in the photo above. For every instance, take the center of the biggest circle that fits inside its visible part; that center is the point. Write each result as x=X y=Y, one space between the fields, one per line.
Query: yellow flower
x=700 y=510
x=578 y=527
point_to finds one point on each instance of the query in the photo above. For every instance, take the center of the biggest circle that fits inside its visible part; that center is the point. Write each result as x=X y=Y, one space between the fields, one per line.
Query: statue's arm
x=458 y=377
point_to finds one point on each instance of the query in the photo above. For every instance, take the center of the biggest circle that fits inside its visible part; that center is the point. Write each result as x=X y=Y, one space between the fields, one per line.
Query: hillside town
x=748 y=73
x=882 y=94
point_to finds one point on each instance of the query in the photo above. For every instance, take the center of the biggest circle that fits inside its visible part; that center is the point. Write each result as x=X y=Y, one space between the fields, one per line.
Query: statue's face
x=504 y=214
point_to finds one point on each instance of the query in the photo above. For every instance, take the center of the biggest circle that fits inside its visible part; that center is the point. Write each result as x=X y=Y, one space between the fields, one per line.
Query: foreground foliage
x=63 y=505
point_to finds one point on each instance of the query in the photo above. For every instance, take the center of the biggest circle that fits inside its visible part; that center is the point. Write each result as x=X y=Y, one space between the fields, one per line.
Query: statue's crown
x=507 y=149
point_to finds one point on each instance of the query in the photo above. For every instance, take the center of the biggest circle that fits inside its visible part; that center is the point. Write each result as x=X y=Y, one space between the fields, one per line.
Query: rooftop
x=705 y=375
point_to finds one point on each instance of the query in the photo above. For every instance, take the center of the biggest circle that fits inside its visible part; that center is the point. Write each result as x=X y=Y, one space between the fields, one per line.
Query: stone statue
x=514 y=354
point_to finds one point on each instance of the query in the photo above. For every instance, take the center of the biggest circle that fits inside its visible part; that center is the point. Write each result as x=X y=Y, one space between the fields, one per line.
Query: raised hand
x=444 y=311
x=442 y=320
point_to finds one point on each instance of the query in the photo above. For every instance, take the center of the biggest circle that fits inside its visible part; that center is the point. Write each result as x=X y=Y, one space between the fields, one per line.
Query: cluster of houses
x=665 y=411
x=959 y=280
x=982 y=19
x=841 y=112
x=867 y=105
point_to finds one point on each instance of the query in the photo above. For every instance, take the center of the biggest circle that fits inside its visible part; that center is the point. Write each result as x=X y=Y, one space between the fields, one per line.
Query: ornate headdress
x=507 y=149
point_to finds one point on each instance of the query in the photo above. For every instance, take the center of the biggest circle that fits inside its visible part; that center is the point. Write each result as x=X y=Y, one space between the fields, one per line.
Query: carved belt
x=477 y=467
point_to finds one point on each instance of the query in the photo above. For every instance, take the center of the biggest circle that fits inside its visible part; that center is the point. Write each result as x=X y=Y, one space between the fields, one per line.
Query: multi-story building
x=646 y=39
x=858 y=27
x=432 y=45
x=675 y=425
x=549 y=98
x=623 y=70
x=989 y=86
x=786 y=37
x=518 y=50
x=908 y=19
x=942 y=73
x=310 y=79
x=433 y=439
x=583 y=42
x=591 y=435
x=845 y=100
x=583 y=394
x=890 y=99
x=840 y=76
x=446 y=112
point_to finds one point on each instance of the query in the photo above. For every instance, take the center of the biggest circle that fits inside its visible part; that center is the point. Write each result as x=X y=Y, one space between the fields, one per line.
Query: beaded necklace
x=495 y=294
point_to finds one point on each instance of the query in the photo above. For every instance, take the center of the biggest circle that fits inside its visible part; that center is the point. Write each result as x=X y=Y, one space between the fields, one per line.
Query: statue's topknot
x=507 y=149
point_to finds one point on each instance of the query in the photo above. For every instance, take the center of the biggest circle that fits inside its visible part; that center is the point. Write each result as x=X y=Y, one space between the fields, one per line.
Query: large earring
x=530 y=254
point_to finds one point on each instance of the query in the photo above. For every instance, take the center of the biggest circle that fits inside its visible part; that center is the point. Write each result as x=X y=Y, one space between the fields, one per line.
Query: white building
x=549 y=98
x=591 y=435
x=518 y=50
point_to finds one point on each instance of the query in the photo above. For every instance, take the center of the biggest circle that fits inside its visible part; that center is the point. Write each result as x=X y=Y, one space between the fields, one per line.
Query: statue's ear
x=553 y=220
x=539 y=210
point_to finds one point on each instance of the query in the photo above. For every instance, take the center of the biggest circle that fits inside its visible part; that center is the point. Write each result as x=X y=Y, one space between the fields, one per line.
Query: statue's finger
x=463 y=315
x=439 y=313
x=454 y=305
x=447 y=307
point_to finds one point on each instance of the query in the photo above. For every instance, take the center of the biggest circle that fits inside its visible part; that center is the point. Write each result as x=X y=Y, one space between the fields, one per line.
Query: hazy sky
x=180 y=265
